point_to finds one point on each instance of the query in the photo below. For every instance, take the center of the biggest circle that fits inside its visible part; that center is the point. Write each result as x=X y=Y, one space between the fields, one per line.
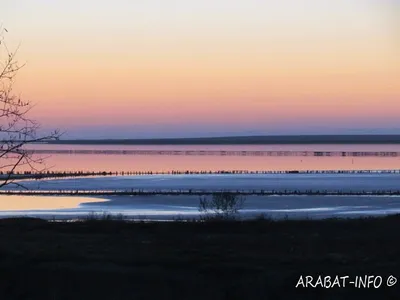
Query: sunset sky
x=178 y=68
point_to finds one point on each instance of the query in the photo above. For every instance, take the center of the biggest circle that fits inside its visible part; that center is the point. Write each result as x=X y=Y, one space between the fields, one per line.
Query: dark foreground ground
x=178 y=260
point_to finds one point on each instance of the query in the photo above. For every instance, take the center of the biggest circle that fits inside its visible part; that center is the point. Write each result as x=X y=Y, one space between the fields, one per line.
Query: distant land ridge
x=243 y=140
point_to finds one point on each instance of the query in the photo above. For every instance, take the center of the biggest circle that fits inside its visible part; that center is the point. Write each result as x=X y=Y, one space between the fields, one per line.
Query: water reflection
x=280 y=158
x=18 y=203
x=111 y=163
x=168 y=207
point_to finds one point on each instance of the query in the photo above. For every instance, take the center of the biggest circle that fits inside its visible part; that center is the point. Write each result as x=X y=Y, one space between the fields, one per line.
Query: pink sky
x=191 y=68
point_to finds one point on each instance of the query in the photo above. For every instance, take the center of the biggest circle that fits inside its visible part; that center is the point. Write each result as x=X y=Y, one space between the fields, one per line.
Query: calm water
x=272 y=158
x=169 y=207
x=38 y=203
x=279 y=158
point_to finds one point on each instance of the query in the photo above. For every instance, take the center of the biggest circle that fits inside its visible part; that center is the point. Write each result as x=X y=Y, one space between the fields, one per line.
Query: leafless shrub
x=16 y=129
x=223 y=205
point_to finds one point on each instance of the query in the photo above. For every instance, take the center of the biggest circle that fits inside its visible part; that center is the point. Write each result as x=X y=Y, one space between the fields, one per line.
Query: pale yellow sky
x=246 y=65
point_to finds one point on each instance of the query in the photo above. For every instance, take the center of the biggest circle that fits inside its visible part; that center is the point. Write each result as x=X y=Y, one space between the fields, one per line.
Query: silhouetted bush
x=105 y=216
x=221 y=205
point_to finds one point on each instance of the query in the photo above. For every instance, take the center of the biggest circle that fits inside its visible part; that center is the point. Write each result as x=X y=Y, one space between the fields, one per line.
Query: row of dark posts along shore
x=194 y=192
x=63 y=174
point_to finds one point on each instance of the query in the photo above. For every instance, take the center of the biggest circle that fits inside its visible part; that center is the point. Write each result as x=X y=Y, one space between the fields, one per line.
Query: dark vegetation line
x=31 y=175
x=196 y=192
x=243 y=140
x=65 y=174
x=218 y=152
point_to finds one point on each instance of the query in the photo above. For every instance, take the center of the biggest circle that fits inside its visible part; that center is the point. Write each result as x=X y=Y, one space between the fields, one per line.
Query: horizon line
x=247 y=139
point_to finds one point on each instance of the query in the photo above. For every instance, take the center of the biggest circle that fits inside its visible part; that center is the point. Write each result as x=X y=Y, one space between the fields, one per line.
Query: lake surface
x=112 y=158
x=268 y=182
x=164 y=158
x=170 y=207
x=38 y=203
x=164 y=207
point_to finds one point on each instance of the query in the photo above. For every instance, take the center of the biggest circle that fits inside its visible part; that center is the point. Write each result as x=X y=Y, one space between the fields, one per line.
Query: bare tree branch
x=17 y=130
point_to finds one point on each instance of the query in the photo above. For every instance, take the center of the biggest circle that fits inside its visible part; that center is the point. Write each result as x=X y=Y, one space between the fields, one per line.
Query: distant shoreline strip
x=83 y=174
x=195 y=192
x=220 y=153
x=246 y=140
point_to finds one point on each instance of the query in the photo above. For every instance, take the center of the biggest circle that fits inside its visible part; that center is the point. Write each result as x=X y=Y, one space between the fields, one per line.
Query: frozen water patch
x=267 y=182
x=373 y=212
x=170 y=207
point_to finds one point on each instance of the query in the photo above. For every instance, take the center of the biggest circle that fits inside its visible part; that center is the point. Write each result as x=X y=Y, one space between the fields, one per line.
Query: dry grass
x=258 y=259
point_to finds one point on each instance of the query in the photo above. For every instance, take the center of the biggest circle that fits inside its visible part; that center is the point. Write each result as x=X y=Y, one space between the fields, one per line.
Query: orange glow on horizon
x=256 y=63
